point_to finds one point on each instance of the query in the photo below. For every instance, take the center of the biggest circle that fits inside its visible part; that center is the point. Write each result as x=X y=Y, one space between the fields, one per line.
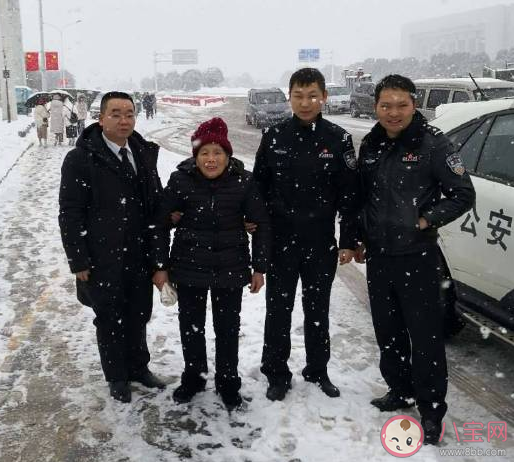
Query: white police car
x=479 y=246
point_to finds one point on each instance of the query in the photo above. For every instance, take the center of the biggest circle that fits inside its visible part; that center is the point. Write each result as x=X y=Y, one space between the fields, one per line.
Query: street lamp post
x=61 y=32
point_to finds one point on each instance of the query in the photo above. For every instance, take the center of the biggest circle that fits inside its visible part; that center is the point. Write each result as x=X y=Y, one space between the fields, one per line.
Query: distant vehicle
x=478 y=248
x=338 y=99
x=502 y=74
x=431 y=93
x=22 y=94
x=266 y=106
x=362 y=99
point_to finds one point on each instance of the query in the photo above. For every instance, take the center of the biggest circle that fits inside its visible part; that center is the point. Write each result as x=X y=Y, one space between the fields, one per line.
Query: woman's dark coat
x=210 y=245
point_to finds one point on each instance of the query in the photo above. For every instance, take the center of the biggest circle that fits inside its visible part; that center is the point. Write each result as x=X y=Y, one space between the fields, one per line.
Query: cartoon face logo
x=402 y=436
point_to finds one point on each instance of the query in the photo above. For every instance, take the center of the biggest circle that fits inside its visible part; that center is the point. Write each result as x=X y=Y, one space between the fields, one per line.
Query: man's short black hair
x=397 y=82
x=114 y=95
x=307 y=76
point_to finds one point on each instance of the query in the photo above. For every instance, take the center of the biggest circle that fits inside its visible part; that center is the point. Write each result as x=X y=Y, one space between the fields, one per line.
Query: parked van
x=431 y=93
x=266 y=106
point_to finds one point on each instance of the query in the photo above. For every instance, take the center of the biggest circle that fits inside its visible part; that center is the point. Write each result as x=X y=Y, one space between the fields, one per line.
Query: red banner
x=31 y=61
x=52 y=60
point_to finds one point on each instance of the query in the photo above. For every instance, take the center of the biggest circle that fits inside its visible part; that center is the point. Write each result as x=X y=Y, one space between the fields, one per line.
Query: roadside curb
x=16 y=162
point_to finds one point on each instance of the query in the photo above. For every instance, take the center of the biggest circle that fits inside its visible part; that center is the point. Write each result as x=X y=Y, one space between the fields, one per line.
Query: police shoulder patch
x=454 y=161
x=350 y=159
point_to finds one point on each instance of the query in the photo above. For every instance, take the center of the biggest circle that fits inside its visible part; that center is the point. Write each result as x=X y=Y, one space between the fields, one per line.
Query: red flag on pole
x=31 y=61
x=52 y=60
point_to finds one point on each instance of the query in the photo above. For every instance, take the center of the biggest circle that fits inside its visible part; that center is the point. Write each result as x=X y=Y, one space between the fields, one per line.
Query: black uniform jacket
x=210 y=245
x=402 y=180
x=94 y=197
x=307 y=173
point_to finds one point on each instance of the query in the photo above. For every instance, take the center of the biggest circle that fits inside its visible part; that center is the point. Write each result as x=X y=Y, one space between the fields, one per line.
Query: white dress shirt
x=116 y=151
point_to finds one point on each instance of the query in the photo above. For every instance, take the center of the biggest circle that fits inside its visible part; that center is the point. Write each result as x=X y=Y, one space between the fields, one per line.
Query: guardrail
x=192 y=100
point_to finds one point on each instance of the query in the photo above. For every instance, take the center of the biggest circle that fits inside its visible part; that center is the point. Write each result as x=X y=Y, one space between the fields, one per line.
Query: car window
x=420 y=96
x=470 y=149
x=437 y=97
x=460 y=136
x=337 y=91
x=497 y=159
x=460 y=96
x=270 y=98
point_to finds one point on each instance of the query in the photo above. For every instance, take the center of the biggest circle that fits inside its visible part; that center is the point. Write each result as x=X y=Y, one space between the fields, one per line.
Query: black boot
x=189 y=386
x=391 y=401
x=231 y=400
x=149 y=380
x=326 y=386
x=277 y=390
x=432 y=431
x=120 y=391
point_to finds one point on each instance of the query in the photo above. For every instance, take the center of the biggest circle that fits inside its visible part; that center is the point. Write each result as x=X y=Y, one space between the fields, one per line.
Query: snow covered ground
x=54 y=403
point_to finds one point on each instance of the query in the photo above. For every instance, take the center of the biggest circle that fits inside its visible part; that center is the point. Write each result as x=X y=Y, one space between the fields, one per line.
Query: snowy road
x=54 y=404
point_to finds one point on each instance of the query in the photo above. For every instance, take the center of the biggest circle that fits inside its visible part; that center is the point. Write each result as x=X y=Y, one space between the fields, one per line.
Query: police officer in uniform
x=404 y=165
x=306 y=170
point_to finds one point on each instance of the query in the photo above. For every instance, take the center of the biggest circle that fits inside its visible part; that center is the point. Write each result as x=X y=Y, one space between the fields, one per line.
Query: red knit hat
x=212 y=131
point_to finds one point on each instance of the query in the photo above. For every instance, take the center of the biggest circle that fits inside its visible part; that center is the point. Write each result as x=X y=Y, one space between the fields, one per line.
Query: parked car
x=431 y=93
x=266 y=106
x=338 y=99
x=478 y=248
x=362 y=99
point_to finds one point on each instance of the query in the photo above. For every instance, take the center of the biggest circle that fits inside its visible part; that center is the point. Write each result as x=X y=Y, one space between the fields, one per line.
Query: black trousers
x=226 y=306
x=315 y=263
x=122 y=307
x=404 y=293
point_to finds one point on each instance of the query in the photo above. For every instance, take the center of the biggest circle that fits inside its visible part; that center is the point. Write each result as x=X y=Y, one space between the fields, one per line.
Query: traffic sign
x=308 y=54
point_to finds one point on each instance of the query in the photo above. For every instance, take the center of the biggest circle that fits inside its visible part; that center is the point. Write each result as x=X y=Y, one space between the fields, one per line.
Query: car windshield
x=337 y=91
x=270 y=98
x=495 y=93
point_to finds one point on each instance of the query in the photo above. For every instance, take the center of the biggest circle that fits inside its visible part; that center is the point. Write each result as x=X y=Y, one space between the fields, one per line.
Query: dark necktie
x=126 y=166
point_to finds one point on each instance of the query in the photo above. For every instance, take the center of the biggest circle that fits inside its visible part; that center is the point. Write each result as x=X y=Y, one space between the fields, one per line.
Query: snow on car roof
x=484 y=82
x=450 y=116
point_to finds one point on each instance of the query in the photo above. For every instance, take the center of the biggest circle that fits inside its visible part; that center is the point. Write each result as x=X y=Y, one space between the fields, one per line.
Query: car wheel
x=453 y=320
x=248 y=120
x=255 y=123
x=353 y=111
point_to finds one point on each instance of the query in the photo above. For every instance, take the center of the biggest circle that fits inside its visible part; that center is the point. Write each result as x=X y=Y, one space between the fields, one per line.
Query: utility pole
x=159 y=58
x=6 y=77
x=42 y=61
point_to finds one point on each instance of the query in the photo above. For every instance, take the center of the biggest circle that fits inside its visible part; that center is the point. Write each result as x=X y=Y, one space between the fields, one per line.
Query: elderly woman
x=210 y=252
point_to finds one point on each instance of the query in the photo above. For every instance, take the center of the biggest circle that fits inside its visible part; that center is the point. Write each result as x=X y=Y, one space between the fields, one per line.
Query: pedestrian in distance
x=41 y=116
x=306 y=171
x=109 y=191
x=148 y=105
x=210 y=253
x=57 y=119
x=405 y=166
x=81 y=109
x=70 y=122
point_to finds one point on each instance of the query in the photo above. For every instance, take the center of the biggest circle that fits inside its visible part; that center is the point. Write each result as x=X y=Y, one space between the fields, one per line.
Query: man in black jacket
x=109 y=189
x=405 y=164
x=306 y=170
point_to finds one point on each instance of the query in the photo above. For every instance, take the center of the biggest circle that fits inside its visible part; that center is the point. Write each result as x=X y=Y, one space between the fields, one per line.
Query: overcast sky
x=117 y=38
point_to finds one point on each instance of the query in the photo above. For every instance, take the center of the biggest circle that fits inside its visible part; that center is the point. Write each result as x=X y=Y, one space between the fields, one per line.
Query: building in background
x=11 y=47
x=484 y=30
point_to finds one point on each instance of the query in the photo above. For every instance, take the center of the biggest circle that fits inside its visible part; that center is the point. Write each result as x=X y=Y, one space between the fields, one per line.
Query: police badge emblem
x=350 y=159
x=455 y=163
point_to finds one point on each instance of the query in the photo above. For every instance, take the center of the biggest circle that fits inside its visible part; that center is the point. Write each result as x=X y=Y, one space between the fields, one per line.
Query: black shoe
x=391 y=402
x=277 y=390
x=149 y=380
x=326 y=386
x=185 y=392
x=432 y=431
x=120 y=391
x=231 y=400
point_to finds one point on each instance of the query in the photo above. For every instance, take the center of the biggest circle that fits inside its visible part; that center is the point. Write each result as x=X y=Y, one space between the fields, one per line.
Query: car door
x=479 y=245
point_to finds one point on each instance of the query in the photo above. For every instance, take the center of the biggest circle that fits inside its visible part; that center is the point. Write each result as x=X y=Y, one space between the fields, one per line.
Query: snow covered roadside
x=57 y=400
x=12 y=144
